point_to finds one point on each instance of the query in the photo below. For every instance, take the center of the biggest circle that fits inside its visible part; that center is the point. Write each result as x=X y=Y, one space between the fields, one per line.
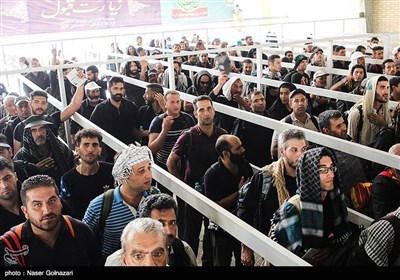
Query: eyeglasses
x=204 y=83
x=325 y=169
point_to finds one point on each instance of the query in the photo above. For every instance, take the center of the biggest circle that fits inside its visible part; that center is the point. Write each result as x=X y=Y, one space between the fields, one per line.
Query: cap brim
x=37 y=123
x=5 y=145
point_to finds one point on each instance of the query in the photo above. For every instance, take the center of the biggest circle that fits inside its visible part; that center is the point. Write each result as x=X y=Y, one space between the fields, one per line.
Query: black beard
x=149 y=102
x=236 y=159
x=116 y=97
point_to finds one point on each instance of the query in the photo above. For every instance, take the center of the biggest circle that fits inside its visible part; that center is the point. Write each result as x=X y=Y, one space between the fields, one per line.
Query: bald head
x=395 y=150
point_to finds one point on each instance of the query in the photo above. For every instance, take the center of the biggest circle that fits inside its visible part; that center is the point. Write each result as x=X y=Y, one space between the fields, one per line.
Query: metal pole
x=63 y=96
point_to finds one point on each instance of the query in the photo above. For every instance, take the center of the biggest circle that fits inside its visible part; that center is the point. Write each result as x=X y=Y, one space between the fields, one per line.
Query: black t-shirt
x=145 y=115
x=81 y=189
x=9 y=219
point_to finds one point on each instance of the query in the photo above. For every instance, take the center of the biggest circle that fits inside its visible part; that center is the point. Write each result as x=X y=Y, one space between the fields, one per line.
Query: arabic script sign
x=49 y=16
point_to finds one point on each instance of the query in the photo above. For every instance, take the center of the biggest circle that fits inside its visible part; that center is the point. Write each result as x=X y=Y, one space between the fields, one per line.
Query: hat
x=357 y=55
x=320 y=74
x=248 y=37
x=318 y=49
x=152 y=72
x=20 y=99
x=397 y=62
x=297 y=91
x=35 y=120
x=300 y=57
x=91 y=86
x=130 y=156
x=4 y=145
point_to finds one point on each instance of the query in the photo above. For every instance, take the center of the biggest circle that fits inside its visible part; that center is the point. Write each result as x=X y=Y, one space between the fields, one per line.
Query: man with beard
x=375 y=111
x=42 y=148
x=93 y=97
x=47 y=238
x=331 y=123
x=133 y=92
x=195 y=150
x=39 y=78
x=270 y=187
x=155 y=105
x=116 y=115
x=92 y=74
x=10 y=211
x=91 y=177
x=222 y=182
x=299 y=117
x=202 y=85
x=132 y=171
x=39 y=105
x=256 y=139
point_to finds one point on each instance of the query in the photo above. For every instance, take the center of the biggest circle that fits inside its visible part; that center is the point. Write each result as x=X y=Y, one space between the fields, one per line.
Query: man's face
x=275 y=66
x=153 y=78
x=6 y=153
x=43 y=208
x=284 y=95
x=91 y=76
x=10 y=107
x=39 y=134
x=149 y=96
x=295 y=148
x=299 y=103
x=168 y=219
x=382 y=92
x=205 y=113
x=320 y=82
x=173 y=104
x=204 y=82
x=378 y=54
x=236 y=154
x=8 y=184
x=247 y=68
x=290 y=56
x=160 y=68
x=258 y=103
x=342 y=52
x=88 y=150
x=302 y=66
x=249 y=41
x=140 y=178
x=358 y=75
x=326 y=179
x=203 y=58
x=134 y=68
x=117 y=90
x=390 y=68
x=145 y=249
x=24 y=110
x=39 y=105
x=237 y=88
x=338 y=128
x=93 y=95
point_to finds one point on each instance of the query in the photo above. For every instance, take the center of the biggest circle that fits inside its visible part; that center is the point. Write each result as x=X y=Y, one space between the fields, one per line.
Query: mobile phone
x=224 y=64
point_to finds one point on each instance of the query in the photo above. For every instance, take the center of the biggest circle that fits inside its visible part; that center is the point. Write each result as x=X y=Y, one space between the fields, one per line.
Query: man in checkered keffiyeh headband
x=129 y=157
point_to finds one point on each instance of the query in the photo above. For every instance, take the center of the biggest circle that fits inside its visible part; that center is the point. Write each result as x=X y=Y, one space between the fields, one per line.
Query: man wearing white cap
x=132 y=170
x=319 y=103
x=93 y=97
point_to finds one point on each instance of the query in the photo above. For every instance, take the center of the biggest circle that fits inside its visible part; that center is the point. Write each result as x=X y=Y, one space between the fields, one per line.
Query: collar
x=118 y=198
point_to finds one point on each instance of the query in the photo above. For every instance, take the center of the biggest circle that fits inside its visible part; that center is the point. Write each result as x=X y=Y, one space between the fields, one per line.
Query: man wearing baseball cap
x=319 y=103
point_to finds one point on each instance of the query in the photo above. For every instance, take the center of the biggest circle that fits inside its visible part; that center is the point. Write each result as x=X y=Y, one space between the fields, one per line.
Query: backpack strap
x=69 y=225
x=12 y=239
x=288 y=119
x=315 y=122
x=106 y=205
x=360 y=123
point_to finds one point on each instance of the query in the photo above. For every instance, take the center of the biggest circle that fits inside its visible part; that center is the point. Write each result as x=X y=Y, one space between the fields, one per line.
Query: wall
x=382 y=16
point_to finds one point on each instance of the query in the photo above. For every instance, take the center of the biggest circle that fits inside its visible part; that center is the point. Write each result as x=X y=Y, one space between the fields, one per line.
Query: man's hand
x=160 y=99
x=377 y=119
x=247 y=256
x=45 y=164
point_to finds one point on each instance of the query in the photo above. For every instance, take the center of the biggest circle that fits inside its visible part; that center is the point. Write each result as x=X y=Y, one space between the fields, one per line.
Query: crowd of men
x=93 y=206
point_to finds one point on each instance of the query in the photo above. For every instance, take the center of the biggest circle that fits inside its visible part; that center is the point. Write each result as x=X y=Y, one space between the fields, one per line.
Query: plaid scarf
x=311 y=204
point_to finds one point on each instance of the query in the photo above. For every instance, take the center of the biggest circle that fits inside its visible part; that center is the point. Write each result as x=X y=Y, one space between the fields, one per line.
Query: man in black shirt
x=47 y=238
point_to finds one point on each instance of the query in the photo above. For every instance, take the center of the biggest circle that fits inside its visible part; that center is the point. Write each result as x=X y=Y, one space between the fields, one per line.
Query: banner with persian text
x=21 y=17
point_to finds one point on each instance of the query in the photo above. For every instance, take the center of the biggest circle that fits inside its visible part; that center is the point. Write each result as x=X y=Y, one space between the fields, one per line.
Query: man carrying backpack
x=270 y=187
x=47 y=238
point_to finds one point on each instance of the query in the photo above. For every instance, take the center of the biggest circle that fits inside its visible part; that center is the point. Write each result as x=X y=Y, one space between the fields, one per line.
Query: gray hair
x=289 y=134
x=130 y=156
x=142 y=225
x=395 y=150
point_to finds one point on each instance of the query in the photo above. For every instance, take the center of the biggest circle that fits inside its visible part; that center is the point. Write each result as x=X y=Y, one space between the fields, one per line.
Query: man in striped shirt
x=132 y=170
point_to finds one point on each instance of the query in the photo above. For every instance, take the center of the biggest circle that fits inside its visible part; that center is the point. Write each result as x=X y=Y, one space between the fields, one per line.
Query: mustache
x=41 y=138
x=48 y=216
